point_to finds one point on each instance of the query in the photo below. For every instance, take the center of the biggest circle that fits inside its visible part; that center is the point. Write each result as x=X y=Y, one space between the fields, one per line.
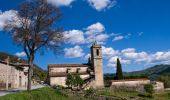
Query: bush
x=74 y=81
x=166 y=80
x=89 y=93
x=149 y=88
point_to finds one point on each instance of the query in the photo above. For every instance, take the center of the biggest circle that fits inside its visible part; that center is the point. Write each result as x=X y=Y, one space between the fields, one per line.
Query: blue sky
x=136 y=31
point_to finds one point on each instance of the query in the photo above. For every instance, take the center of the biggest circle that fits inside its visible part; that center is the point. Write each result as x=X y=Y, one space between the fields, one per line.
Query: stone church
x=91 y=73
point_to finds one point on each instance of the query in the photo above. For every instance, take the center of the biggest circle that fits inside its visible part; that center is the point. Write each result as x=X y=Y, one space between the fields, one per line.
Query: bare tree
x=35 y=30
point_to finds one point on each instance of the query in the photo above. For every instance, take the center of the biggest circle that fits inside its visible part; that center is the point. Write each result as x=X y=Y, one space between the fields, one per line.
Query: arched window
x=97 y=52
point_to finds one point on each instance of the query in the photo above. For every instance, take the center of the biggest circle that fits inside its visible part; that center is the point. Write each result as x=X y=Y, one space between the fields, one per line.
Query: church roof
x=67 y=65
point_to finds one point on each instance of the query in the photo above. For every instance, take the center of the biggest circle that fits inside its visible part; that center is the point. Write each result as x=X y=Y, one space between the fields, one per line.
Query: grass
x=130 y=94
x=45 y=93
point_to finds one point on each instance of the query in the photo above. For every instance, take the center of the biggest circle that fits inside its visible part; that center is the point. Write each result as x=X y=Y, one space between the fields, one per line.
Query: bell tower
x=97 y=64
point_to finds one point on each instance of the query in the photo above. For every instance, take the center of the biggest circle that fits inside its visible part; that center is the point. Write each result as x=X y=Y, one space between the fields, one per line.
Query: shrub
x=74 y=81
x=149 y=88
x=89 y=93
x=166 y=80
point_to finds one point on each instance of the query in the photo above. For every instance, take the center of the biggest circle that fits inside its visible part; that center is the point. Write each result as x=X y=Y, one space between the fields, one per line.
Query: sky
x=135 y=31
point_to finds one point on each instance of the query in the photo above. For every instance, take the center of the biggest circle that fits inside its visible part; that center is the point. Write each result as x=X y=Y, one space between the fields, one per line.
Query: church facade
x=91 y=73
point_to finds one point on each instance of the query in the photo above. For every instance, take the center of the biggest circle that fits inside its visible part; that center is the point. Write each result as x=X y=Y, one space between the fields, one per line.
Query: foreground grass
x=45 y=93
x=128 y=95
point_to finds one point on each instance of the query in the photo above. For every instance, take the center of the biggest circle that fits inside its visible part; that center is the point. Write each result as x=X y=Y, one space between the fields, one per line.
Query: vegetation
x=74 y=81
x=45 y=93
x=119 y=73
x=59 y=93
x=149 y=88
x=165 y=79
x=153 y=73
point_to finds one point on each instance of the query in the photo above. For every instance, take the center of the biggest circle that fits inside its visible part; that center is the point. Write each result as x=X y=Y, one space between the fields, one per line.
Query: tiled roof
x=63 y=74
x=13 y=64
x=67 y=65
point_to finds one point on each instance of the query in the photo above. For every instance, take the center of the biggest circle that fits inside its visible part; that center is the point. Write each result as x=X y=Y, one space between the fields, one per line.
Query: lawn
x=47 y=93
x=130 y=95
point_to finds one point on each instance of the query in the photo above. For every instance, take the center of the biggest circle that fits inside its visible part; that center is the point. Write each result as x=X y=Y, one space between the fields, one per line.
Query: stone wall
x=16 y=76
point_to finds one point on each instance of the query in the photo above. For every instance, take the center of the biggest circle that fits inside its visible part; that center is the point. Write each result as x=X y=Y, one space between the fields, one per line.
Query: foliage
x=89 y=93
x=74 y=81
x=119 y=73
x=165 y=79
x=69 y=80
x=149 y=88
x=45 y=93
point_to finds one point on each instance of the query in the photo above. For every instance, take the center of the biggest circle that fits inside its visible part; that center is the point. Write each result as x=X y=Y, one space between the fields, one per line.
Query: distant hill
x=38 y=74
x=152 y=73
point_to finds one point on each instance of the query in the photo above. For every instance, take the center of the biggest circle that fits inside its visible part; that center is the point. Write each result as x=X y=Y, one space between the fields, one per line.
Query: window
x=97 y=52
x=68 y=70
x=78 y=70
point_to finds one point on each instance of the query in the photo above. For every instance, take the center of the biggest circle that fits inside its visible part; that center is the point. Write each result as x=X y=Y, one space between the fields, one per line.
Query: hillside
x=39 y=73
x=153 y=73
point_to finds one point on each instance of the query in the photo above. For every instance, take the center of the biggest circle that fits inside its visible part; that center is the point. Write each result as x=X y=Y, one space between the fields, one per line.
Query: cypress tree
x=119 y=73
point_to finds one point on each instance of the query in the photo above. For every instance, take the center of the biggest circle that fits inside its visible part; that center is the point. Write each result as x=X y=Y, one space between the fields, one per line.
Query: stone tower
x=97 y=63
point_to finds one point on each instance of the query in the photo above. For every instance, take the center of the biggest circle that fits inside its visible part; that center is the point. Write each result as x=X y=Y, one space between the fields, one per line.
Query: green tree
x=74 y=81
x=70 y=80
x=119 y=73
x=78 y=81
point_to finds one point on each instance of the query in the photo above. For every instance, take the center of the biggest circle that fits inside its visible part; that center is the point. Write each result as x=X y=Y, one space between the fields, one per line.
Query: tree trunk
x=30 y=61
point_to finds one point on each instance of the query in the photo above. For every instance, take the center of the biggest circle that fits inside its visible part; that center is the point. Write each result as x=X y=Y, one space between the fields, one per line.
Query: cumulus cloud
x=60 y=2
x=8 y=16
x=100 y=5
x=109 y=52
x=74 y=52
x=132 y=56
x=94 y=32
x=74 y=37
x=95 y=28
x=20 y=54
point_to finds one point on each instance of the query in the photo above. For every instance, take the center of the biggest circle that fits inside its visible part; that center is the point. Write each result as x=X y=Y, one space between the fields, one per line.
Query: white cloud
x=87 y=56
x=100 y=38
x=74 y=52
x=8 y=16
x=109 y=52
x=20 y=54
x=95 y=28
x=117 y=38
x=60 y=2
x=131 y=56
x=74 y=37
x=100 y=5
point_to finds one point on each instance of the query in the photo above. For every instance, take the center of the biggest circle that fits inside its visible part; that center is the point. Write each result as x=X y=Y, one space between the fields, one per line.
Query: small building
x=16 y=75
x=91 y=73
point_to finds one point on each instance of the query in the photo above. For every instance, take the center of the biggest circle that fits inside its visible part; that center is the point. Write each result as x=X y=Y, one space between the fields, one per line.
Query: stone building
x=13 y=74
x=91 y=73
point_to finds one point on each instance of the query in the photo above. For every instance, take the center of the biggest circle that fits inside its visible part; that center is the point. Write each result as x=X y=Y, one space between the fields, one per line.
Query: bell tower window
x=97 y=52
